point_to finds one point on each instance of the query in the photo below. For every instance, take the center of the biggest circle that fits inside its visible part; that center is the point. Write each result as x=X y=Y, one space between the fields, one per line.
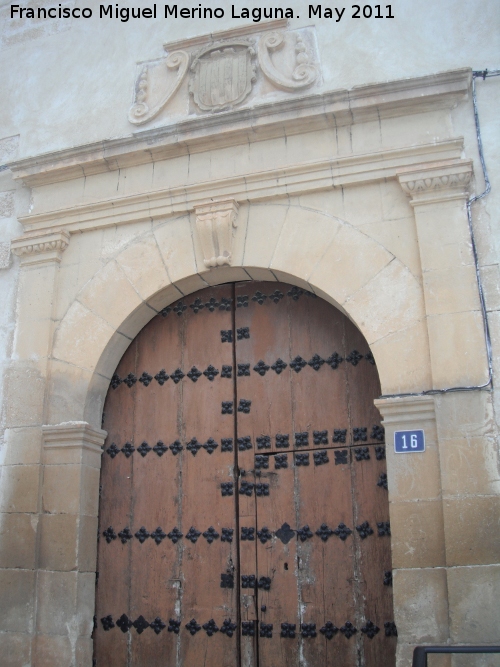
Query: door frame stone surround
x=424 y=330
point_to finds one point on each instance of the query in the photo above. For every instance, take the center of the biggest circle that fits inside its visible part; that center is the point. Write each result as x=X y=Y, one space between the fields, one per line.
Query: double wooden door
x=244 y=517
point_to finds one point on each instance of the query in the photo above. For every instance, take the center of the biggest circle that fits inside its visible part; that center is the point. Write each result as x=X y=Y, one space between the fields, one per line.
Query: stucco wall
x=77 y=90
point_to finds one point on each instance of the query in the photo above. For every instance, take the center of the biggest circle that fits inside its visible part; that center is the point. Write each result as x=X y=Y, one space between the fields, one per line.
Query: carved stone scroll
x=222 y=71
x=214 y=223
x=144 y=107
x=304 y=74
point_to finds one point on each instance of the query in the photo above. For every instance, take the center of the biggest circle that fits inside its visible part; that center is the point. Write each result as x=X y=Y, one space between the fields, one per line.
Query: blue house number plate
x=409 y=441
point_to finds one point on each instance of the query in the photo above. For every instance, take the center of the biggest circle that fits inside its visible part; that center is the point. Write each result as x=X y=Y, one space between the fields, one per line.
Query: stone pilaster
x=68 y=547
x=23 y=518
x=416 y=513
x=439 y=193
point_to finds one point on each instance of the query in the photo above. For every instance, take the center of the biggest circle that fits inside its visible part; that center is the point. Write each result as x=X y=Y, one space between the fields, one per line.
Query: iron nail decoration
x=227 y=535
x=128 y=449
x=370 y=629
x=348 y=630
x=308 y=630
x=143 y=449
x=264 y=535
x=109 y=534
x=125 y=535
x=316 y=362
x=211 y=534
x=242 y=333
x=298 y=364
x=266 y=630
x=342 y=531
x=194 y=374
x=324 y=532
x=192 y=535
x=158 y=535
x=176 y=447
x=177 y=375
x=334 y=360
x=142 y=534
x=228 y=627
x=279 y=366
x=339 y=435
x=161 y=377
x=364 y=530
x=193 y=627
x=362 y=453
x=263 y=442
x=146 y=379
x=113 y=450
x=210 y=627
x=248 y=629
x=354 y=357
x=157 y=625
x=173 y=625
x=175 y=535
x=288 y=630
x=304 y=533
x=210 y=446
x=320 y=437
x=329 y=630
x=280 y=461
x=160 y=448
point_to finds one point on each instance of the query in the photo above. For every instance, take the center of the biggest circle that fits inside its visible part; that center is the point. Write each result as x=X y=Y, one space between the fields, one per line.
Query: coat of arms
x=223 y=74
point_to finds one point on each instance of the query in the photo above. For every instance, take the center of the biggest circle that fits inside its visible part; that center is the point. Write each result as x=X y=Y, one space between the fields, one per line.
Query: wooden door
x=244 y=511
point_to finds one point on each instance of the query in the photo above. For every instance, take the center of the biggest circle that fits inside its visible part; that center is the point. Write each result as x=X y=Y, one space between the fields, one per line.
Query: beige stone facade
x=358 y=195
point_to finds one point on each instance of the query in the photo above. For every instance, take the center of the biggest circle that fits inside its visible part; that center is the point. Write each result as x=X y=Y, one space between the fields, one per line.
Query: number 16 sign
x=409 y=441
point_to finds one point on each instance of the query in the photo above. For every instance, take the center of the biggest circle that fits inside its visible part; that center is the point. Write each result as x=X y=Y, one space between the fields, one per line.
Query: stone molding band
x=429 y=184
x=267 y=121
x=276 y=182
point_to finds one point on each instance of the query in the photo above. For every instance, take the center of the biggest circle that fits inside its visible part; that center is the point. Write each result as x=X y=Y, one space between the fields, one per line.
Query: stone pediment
x=220 y=72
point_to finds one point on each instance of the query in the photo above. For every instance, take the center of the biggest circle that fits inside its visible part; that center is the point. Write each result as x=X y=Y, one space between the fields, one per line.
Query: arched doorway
x=244 y=516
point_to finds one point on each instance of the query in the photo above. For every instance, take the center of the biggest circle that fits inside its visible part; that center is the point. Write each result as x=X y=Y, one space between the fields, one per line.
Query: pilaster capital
x=437 y=182
x=73 y=442
x=41 y=247
x=406 y=412
x=214 y=222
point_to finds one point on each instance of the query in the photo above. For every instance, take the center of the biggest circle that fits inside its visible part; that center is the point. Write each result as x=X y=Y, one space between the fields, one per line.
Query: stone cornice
x=233 y=33
x=73 y=442
x=38 y=248
x=289 y=180
x=435 y=183
x=266 y=121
